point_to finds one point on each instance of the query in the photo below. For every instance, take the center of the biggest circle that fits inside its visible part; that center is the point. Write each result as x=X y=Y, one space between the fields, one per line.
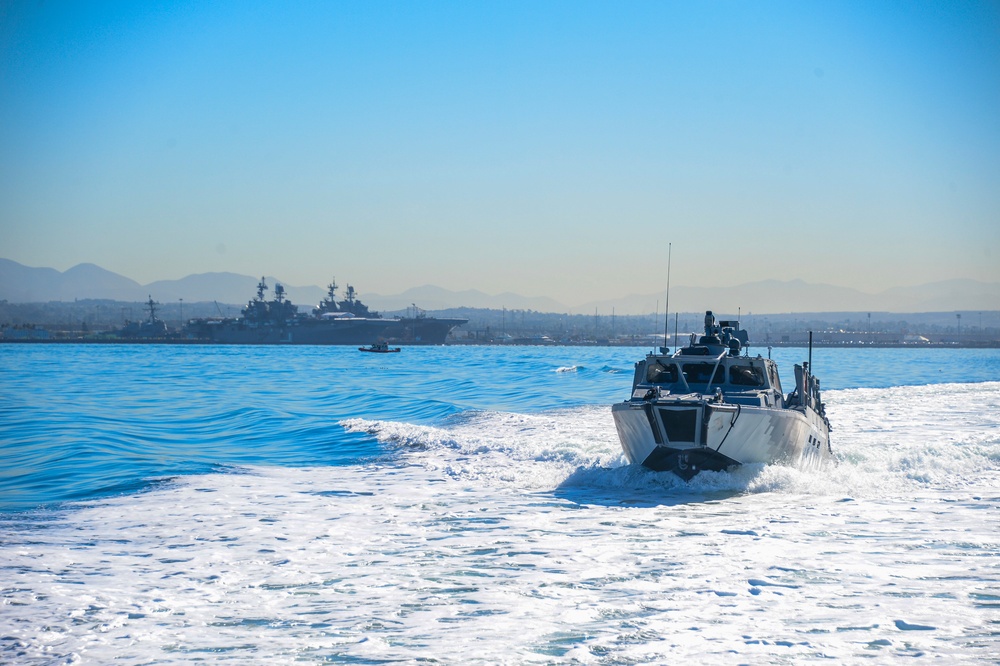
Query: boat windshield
x=661 y=373
x=698 y=373
x=746 y=375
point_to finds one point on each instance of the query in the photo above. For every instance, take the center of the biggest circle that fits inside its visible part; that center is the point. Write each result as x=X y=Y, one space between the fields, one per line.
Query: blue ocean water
x=84 y=421
x=162 y=504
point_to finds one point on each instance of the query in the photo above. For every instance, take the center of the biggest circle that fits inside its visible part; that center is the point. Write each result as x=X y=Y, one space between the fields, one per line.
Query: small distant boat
x=707 y=407
x=379 y=348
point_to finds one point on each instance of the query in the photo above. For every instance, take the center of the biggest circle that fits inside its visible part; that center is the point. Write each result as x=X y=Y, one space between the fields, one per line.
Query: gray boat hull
x=342 y=331
x=693 y=434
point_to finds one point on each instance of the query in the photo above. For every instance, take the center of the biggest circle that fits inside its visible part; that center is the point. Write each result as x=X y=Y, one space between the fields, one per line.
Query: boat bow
x=707 y=407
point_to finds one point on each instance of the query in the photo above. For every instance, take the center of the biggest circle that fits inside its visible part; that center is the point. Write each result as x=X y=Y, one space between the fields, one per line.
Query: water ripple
x=82 y=421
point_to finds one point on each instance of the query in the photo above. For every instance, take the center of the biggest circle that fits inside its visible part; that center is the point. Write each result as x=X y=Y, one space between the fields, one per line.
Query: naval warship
x=334 y=322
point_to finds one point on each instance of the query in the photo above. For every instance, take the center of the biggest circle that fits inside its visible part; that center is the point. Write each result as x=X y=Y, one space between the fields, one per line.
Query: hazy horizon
x=551 y=150
x=89 y=281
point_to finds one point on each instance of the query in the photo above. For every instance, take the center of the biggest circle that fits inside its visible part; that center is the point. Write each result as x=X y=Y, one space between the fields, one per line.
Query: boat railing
x=677 y=361
x=715 y=368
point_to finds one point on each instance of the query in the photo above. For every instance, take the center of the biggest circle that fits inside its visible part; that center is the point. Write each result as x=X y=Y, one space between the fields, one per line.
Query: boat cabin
x=740 y=379
x=711 y=365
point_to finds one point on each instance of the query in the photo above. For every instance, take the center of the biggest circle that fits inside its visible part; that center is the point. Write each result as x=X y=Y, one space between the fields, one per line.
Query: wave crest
x=887 y=442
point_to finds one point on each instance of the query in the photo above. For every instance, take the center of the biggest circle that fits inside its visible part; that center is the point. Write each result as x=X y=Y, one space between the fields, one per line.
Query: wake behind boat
x=706 y=407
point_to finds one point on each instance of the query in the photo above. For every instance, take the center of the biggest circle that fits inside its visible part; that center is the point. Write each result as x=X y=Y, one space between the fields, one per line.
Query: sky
x=543 y=148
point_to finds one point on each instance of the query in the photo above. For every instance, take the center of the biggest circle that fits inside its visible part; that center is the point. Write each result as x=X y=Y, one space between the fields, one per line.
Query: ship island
x=334 y=322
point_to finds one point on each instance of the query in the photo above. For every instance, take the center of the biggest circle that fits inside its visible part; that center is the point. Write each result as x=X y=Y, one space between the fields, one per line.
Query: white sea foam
x=514 y=538
x=886 y=440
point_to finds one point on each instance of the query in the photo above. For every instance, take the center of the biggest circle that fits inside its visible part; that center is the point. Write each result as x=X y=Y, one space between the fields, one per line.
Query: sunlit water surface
x=164 y=505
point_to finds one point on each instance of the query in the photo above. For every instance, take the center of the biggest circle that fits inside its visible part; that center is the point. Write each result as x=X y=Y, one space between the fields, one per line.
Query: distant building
x=24 y=333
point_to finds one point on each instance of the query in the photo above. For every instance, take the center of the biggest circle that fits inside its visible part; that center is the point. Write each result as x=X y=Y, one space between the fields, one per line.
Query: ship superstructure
x=332 y=322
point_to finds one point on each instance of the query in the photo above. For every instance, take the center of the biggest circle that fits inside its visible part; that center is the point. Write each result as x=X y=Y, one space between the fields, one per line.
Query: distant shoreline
x=995 y=344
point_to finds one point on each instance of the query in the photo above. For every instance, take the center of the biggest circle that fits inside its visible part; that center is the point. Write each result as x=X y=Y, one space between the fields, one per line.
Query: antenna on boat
x=666 y=307
x=675 y=331
x=810 y=352
x=655 y=317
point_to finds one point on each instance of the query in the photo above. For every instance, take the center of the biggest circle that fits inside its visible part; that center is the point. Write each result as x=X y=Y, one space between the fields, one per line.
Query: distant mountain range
x=775 y=297
x=24 y=284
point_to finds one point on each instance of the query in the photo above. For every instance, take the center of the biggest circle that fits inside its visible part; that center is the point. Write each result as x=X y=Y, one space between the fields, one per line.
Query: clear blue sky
x=546 y=148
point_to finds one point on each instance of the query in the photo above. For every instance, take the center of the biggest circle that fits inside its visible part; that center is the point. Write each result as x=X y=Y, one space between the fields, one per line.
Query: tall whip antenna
x=666 y=311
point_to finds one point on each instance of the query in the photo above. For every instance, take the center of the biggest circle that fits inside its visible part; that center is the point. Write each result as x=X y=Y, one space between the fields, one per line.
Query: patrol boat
x=707 y=407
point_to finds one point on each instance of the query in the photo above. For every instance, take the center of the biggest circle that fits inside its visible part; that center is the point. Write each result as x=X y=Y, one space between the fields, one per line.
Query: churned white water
x=499 y=537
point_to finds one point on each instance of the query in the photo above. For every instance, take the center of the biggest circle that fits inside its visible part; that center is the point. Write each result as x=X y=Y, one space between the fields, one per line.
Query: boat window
x=661 y=373
x=775 y=380
x=746 y=375
x=698 y=373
